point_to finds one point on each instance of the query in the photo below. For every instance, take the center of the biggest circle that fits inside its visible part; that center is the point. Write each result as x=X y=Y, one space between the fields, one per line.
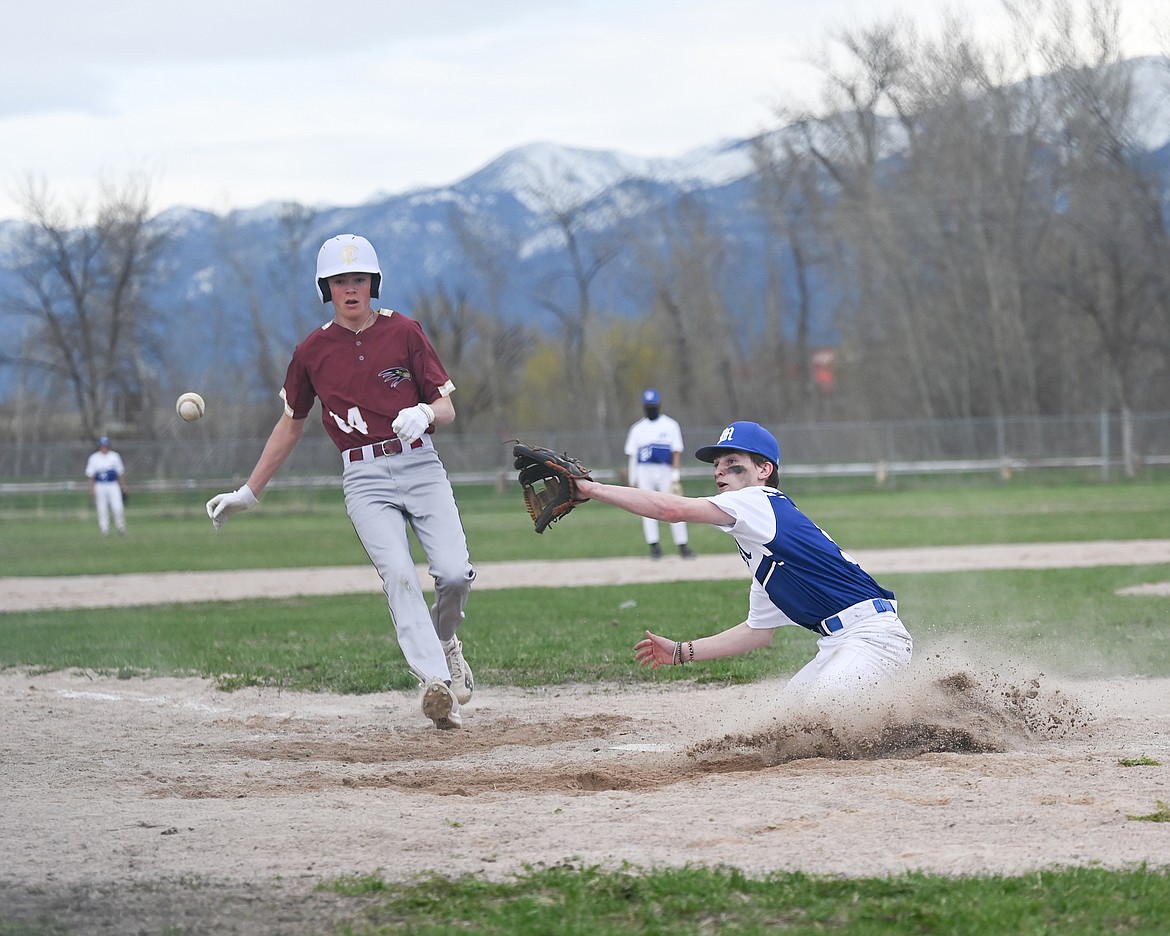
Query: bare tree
x=683 y=262
x=292 y=274
x=503 y=348
x=274 y=287
x=86 y=278
x=566 y=292
x=482 y=354
x=449 y=323
x=958 y=214
x=852 y=142
x=1110 y=267
x=977 y=221
x=806 y=247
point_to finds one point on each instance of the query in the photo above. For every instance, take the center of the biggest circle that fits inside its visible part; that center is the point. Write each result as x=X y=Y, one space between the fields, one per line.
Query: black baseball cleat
x=684 y=550
x=655 y=551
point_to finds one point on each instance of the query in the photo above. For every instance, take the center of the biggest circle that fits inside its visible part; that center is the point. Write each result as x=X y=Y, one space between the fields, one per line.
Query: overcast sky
x=224 y=104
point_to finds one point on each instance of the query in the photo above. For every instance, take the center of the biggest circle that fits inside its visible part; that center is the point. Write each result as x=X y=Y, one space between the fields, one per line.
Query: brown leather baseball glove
x=549 y=482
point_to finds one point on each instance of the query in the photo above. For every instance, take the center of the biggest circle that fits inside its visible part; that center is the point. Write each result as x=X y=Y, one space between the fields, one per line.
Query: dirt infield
x=142 y=804
x=102 y=591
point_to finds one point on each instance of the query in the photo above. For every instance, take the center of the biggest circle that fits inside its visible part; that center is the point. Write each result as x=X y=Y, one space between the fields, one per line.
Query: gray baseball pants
x=383 y=496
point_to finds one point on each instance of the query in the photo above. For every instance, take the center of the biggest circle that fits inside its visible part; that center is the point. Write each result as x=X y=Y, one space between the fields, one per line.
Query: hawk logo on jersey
x=395 y=375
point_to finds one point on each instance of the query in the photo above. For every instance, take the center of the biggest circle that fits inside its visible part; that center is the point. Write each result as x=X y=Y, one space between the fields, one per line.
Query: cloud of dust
x=945 y=701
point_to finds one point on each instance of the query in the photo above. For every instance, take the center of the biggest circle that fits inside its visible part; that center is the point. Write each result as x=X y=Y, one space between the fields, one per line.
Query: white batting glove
x=412 y=422
x=222 y=506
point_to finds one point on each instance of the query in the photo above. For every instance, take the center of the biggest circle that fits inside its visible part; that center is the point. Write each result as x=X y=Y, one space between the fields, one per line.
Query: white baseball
x=189 y=406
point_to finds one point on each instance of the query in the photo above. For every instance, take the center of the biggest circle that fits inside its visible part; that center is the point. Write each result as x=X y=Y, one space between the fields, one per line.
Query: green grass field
x=345 y=645
x=571 y=901
x=56 y=534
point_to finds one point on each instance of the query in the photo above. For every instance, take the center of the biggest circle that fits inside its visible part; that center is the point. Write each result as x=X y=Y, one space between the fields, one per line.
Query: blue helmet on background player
x=747 y=437
x=651 y=403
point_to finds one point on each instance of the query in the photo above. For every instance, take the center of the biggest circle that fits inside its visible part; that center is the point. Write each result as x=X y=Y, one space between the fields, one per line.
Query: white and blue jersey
x=799 y=575
x=651 y=447
x=654 y=441
x=105 y=467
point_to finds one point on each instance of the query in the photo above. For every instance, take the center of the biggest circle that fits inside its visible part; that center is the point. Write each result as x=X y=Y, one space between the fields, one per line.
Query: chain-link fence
x=1105 y=443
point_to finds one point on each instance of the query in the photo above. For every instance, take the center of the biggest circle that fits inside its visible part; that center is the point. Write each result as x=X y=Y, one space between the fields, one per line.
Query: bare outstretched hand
x=654 y=651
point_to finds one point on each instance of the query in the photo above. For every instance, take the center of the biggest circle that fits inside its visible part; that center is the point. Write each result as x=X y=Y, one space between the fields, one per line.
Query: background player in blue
x=654 y=447
x=800 y=576
x=382 y=390
x=107 y=486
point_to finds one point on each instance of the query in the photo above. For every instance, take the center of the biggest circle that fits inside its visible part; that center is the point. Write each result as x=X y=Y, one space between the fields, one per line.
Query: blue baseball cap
x=104 y=440
x=650 y=397
x=743 y=437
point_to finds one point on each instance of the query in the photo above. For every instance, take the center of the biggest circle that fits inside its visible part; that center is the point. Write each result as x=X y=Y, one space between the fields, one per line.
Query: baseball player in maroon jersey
x=383 y=391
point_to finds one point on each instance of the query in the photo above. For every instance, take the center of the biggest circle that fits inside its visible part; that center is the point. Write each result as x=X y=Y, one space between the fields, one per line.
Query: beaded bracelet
x=691 y=646
x=678 y=653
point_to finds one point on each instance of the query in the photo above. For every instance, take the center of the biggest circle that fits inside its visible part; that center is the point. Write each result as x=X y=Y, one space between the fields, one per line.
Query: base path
x=35 y=593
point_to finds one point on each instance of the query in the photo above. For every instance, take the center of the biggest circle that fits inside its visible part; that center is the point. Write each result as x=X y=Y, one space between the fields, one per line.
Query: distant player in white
x=382 y=390
x=106 y=475
x=800 y=577
x=654 y=447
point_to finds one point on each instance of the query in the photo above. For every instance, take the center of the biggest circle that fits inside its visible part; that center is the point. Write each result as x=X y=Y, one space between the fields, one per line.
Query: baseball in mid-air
x=189 y=406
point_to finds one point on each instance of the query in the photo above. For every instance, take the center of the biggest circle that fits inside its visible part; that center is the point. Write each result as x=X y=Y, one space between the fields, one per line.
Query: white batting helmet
x=347 y=253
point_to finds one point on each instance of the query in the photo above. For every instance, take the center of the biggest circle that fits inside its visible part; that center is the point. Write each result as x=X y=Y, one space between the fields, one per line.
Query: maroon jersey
x=364 y=379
